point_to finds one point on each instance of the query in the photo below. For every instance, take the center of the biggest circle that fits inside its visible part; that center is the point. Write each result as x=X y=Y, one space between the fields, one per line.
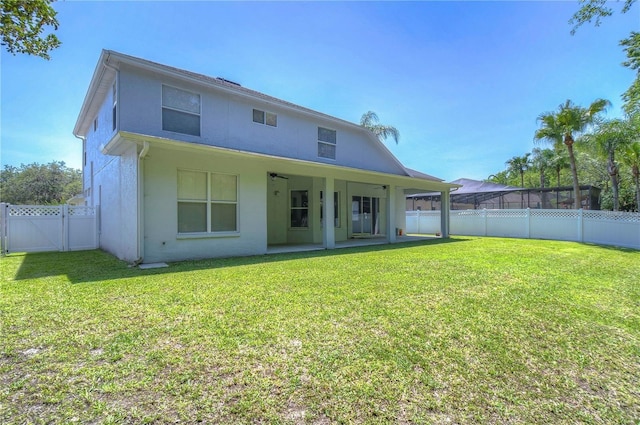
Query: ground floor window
x=207 y=202
x=299 y=208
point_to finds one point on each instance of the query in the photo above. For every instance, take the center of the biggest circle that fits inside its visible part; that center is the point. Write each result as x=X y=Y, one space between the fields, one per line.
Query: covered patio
x=351 y=243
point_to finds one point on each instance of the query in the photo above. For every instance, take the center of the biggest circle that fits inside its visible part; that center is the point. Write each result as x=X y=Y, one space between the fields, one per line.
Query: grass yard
x=471 y=330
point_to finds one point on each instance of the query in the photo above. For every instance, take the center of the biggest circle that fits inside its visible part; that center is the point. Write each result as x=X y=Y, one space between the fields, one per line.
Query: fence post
x=65 y=227
x=4 y=210
x=528 y=223
x=484 y=217
x=580 y=226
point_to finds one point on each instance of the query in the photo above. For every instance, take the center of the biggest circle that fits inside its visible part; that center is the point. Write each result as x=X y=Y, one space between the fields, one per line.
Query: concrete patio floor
x=280 y=249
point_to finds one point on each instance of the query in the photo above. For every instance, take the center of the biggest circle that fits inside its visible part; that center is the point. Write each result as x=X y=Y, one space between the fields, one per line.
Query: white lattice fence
x=34 y=228
x=600 y=227
x=612 y=228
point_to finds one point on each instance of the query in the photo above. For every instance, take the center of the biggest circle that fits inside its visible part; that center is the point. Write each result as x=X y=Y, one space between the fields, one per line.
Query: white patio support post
x=391 y=214
x=445 y=212
x=328 y=229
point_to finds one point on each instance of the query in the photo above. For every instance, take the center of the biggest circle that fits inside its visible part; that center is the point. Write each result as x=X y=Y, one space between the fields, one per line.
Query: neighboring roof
x=472 y=191
x=419 y=175
x=109 y=61
x=471 y=186
x=477 y=186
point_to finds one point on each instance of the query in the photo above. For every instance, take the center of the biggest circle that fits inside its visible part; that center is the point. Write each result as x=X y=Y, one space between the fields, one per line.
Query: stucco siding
x=227 y=121
x=128 y=204
x=162 y=241
x=98 y=134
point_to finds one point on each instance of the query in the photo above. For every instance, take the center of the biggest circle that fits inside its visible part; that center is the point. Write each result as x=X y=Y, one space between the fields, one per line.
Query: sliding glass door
x=365 y=215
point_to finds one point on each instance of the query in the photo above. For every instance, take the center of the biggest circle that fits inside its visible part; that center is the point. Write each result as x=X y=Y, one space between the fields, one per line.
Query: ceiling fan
x=274 y=176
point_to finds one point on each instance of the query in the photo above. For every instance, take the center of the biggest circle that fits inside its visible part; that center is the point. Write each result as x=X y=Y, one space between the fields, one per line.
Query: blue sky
x=462 y=81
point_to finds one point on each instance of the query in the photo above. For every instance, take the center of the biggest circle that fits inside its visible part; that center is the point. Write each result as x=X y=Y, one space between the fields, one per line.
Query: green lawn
x=471 y=330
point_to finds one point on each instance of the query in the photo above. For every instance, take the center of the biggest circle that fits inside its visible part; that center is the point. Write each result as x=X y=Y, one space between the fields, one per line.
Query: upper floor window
x=326 y=143
x=180 y=111
x=262 y=117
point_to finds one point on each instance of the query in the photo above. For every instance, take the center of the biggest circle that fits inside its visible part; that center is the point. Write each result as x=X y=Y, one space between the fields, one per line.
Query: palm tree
x=499 y=177
x=610 y=137
x=632 y=159
x=558 y=163
x=519 y=164
x=542 y=160
x=562 y=126
x=369 y=120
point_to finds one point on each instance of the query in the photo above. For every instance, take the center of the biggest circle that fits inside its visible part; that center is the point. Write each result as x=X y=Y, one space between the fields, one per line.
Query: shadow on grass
x=613 y=247
x=94 y=266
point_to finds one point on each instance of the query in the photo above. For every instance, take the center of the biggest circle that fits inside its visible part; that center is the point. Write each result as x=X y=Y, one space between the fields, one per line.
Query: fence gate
x=37 y=228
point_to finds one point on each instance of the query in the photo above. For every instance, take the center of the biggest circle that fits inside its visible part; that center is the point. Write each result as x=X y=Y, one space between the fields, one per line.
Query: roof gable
x=110 y=62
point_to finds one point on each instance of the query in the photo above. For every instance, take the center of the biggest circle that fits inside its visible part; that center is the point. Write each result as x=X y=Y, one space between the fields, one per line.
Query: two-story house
x=187 y=166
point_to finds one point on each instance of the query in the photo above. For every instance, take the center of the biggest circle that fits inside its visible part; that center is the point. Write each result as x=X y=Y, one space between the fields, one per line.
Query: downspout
x=141 y=156
x=84 y=146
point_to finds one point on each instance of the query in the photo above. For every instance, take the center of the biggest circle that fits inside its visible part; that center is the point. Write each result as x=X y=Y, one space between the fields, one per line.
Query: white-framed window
x=180 y=111
x=207 y=202
x=262 y=117
x=299 y=209
x=327 y=143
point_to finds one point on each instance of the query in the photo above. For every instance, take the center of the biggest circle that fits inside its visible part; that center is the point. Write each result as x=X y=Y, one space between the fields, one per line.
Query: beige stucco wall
x=161 y=239
x=263 y=206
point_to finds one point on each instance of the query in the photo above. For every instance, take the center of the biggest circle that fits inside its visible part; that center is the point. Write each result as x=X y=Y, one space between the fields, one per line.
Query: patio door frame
x=363 y=217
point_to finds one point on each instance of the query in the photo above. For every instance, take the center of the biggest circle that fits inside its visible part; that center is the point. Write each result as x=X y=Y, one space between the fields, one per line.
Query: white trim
x=114 y=147
x=207 y=235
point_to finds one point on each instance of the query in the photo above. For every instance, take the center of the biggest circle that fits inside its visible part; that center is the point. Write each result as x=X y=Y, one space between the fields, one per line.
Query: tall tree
x=595 y=10
x=631 y=157
x=518 y=165
x=631 y=96
x=501 y=177
x=609 y=138
x=559 y=162
x=53 y=183
x=370 y=121
x=542 y=161
x=22 y=23
x=598 y=9
x=563 y=126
